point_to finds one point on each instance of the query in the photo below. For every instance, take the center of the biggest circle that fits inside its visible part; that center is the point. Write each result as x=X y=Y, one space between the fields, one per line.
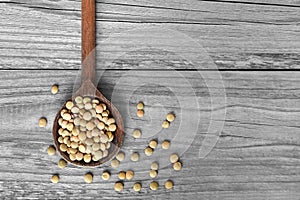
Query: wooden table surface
x=245 y=115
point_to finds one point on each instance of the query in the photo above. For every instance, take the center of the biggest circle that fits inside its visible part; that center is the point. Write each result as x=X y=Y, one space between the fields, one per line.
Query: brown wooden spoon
x=88 y=87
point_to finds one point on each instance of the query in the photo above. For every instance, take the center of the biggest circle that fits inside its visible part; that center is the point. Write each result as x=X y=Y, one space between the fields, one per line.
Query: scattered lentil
x=62 y=163
x=153 y=144
x=129 y=175
x=153 y=173
x=169 y=184
x=177 y=166
x=115 y=163
x=55 y=179
x=119 y=186
x=121 y=156
x=154 y=185
x=88 y=178
x=140 y=106
x=106 y=175
x=140 y=113
x=148 y=151
x=166 y=124
x=135 y=157
x=54 y=89
x=170 y=117
x=137 y=133
x=51 y=150
x=174 y=158
x=122 y=175
x=137 y=187
x=42 y=122
x=165 y=144
x=154 y=166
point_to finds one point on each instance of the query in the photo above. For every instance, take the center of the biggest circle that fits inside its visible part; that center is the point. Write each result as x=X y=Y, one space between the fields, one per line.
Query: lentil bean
x=98 y=155
x=110 y=136
x=66 y=116
x=70 y=126
x=74 y=145
x=103 y=106
x=96 y=146
x=77 y=121
x=75 y=110
x=69 y=105
x=96 y=139
x=137 y=133
x=137 y=187
x=60 y=139
x=135 y=157
x=154 y=185
x=88 y=178
x=82 y=136
x=88 y=106
x=106 y=175
x=72 y=157
x=86 y=100
x=101 y=126
x=62 y=163
x=165 y=144
x=99 y=109
x=42 y=122
x=95 y=101
x=63 y=147
x=177 y=166
x=115 y=163
x=153 y=144
x=170 y=117
x=103 y=138
x=112 y=127
x=105 y=153
x=169 y=184
x=87 y=116
x=122 y=175
x=111 y=121
x=79 y=156
x=95 y=132
x=154 y=166
x=140 y=113
x=73 y=151
x=140 y=106
x=90 y=126
x=89 y=134
x=119 y=186
x=81 y=148
x=153 y=173
x=121 y=156
x=166 y=124
x=51 y=150
x=78 y=99
x=102 y=147
x=54 y=89
x=129 y=175
x=105 y=113
x=88 y=149
x=55 y=179
x=174 y=158
x=89 y=141
x=87 y=158
x=148 y=151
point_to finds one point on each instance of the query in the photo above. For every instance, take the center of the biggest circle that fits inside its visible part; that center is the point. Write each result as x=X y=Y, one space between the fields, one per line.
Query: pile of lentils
x=86 y=129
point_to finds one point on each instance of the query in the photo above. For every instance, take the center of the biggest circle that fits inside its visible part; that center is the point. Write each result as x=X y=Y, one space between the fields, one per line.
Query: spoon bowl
x=88 y=89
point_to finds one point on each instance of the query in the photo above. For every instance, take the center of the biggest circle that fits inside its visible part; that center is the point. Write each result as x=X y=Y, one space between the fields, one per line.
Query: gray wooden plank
x=256 y=156
x=235 y=36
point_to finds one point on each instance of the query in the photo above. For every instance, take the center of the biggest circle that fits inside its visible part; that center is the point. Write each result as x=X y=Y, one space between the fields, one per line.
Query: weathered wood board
x=257 y=154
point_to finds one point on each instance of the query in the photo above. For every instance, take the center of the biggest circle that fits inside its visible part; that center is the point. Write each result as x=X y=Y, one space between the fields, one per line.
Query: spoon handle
x=88 y=40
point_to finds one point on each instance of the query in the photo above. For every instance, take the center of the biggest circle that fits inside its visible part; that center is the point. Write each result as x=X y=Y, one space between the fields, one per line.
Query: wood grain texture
x=256 y=157
x=46 y=34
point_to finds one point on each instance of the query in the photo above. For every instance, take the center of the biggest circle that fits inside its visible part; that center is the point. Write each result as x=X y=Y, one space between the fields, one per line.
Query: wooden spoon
x=88 y=87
